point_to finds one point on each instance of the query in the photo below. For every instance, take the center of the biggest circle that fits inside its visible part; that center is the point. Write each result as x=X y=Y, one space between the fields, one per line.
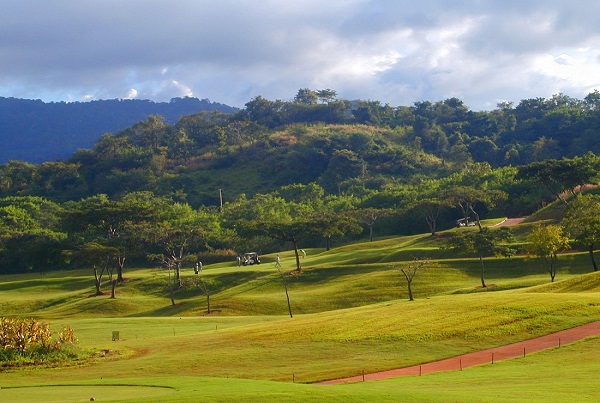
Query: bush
x=27 y=340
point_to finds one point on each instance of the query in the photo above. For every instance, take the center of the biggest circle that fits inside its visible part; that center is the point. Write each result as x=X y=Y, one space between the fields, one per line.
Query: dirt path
x=483 y=357
x=510 y=222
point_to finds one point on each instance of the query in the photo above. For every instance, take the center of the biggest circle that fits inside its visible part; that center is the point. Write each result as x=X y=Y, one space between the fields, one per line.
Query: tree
x=179 y=232
x=114 y=223
x=329 y=223
x=429 y=209
x=306 y=96
x=327 y=95
x=483 y=243
x=410 y=271
x=582 y=222
x=152 y=133
x=545 y=241
x=265 y=112
x=285 y=278
x=292 y=222
x=559 y=176
x=101 y=259
x=30 y=235
x=369 y=216
x=203 y=284
x=466 y=198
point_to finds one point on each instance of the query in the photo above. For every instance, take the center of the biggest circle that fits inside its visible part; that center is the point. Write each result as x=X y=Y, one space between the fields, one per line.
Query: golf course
x=349 y=314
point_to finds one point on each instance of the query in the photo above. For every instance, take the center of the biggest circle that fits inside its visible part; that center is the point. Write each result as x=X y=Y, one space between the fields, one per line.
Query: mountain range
x=36 y=131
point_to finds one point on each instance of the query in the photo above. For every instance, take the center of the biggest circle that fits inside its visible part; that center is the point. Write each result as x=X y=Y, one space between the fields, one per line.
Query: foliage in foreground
x=27 y=340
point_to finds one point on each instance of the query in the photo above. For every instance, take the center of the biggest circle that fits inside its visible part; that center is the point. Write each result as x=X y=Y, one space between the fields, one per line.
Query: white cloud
x=132 y=94
x=395 y=52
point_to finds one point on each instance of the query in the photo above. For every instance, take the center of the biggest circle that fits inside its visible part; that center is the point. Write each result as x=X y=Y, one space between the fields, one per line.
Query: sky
x=394 y=51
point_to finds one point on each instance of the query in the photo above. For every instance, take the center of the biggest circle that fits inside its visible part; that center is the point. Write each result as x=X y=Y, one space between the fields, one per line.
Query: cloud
x=231 y=51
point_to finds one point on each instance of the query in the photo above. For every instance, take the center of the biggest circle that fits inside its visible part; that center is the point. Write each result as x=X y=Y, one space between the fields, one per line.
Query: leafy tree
x=545 y=241
x=466 y=198
x=265 y=112
x=112 y=223
x=178 y=232
x=329 y=224
x=429 y=209
x=483 y=243
x=204 y=128
x=559 y=176
x=283 y=221
x=16 y=177
x=30 y=237
x=36 y=249
x=326 y=95
x=101 y=259
x=369 y=216
x=153 y=133
x=343 y=164
x=582 y=222
x=306 y=96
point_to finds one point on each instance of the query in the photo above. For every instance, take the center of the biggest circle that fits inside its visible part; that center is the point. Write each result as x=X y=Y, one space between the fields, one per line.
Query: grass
x=351 y=314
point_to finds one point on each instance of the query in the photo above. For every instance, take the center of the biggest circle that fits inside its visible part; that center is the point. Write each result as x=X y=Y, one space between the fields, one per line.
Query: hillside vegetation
x=379 y=248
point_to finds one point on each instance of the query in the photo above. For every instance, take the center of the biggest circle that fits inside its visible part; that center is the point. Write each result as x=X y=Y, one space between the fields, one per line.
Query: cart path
x=509 y=222
x=482 y=357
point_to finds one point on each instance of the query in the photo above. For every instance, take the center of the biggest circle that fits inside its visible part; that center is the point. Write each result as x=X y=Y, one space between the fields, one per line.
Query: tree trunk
x=431 y=222
x=298 y=267
x=113 y=292
x=178 y=274
x=476 y=218
x=98 y=281
x=120 y=265
x=171 y=288
x=172 y=295
x=482 y=273
x=410 y=293
x=592 y=257
x=208 y=302
x=287 y=295
x=371 y=233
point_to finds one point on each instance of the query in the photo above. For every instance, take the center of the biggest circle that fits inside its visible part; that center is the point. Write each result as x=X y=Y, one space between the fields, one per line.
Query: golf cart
x=464 y=223
x=250 y=258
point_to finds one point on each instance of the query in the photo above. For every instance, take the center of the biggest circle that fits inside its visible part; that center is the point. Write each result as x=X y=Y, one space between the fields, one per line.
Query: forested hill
x=35 y=131
x=361 y=147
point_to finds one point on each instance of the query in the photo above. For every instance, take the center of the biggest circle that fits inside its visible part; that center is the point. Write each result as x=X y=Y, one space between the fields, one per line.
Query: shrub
x=27 y=340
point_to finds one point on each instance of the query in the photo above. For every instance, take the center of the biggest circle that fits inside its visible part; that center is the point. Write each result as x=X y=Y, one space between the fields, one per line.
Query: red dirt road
x=483 y=357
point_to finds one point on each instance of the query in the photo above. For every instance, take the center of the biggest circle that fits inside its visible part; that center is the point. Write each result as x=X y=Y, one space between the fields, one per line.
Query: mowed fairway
x=351 y=314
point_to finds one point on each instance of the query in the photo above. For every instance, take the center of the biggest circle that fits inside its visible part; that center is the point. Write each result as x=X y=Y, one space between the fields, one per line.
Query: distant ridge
x=36 y=131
